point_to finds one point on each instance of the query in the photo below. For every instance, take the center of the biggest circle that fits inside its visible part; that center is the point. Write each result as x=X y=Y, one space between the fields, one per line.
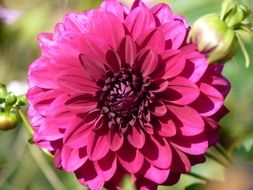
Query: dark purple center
x=121 y=97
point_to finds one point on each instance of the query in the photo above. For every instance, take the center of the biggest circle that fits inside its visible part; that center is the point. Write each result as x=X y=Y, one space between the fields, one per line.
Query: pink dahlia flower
x=119 y=92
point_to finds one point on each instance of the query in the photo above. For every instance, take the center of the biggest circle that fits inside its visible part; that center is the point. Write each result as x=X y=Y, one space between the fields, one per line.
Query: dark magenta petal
x=82 y=103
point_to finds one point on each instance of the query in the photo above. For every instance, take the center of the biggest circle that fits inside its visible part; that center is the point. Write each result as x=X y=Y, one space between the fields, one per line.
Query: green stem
x=224 y=153
x=198 y=176
x=40 y=159
x=25 y=121
x=218 y=160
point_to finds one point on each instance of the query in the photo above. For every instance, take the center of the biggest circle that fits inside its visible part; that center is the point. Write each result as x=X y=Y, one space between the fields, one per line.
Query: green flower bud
x=8 y=120
x=214 y=38
x=3 y=93
x=11 y=100
x=234 y=13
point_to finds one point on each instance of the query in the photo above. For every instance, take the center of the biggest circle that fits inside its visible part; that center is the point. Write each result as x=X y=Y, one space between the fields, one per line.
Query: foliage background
x=22 y=164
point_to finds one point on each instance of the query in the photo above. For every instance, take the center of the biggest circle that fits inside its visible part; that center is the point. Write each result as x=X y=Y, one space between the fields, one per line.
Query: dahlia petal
x=149 y=63
x=160 y=156
x=77 y=136
x=137 y=3
x=140 y=19
x=73 y=81
x=167 y=128
x=158 y=109
x=159 y=85
x=152 y=39
x=163 y=12
x=42 y=98
x=75 y=22
x=155 y=174
x=57 y=111
x=115 y=7
x=127 y=50
x=113 y=60
x=92 y=179
x=210 y=101
x=190 y=121
x=97 y=146
x=107 y=166
x=115 y=139
x=175 y=63
x=194 y=145
x=221 y=84
x=136 y=137
x=110 y=27
x=182 y=91
x=196 y=63
x=93 y=68
x=49 y=132
x=42 y=74
x=81 y=103
x=180 y=162
x=174 y=33
x=130 y=158
x=72 y=159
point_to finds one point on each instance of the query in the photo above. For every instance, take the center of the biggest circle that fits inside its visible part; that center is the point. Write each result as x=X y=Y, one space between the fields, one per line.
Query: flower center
x=121 y=97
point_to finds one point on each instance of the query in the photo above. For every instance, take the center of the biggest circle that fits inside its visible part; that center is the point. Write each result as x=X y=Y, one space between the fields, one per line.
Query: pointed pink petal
x=175 y=33
x=73 y=81
x=130 y=158
x=149 y=63
x=127 y=50
x=160 y=156
x=163 y=12
x=153 y=40
x=81 y=103
x=138 y=3
x=210 y=101
x=113 y=61
x=188 y=119
x=107 y=166
x=72 y=159
x=158 y=109
x=97 y=146
x=196 y=61
x=139 y=20
x=195 y=145
x=91 y=179
x=174 y=63
x=115 y=140
x=167 y=128
x=110 y=27
x=77 y=136
x=180 y=162
x=115 y=7
x=136 y=137
x=75 y=22
x=92 y=67
x=158 y=85
x=182 y=91
x=155 y=174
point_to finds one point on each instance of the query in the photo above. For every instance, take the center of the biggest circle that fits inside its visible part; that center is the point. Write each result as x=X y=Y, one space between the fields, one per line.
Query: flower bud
x=3 y=92
x=234 y=13
x=11 y=100
x=214 y=38
x=8 y=120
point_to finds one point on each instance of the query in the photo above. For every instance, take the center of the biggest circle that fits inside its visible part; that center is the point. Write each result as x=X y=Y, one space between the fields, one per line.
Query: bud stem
x=198 y=176
x=244 y=51
x=224 y=153
x=25 y=120
x=218 y=160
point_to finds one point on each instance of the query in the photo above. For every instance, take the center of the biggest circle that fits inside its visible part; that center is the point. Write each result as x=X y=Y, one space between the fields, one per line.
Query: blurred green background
x=24 y=167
